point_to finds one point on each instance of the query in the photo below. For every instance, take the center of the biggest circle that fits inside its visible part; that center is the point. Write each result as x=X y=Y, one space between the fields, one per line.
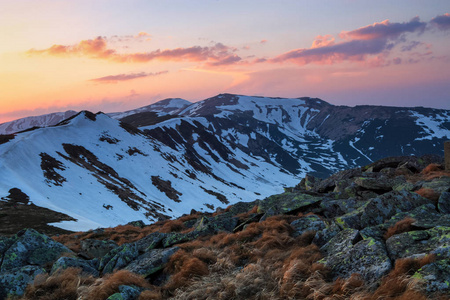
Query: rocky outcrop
x=356 y=218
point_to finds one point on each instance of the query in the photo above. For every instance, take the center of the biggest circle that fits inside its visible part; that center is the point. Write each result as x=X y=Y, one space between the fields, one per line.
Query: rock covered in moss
x=88 y=267
x=30 y=247
x=307 y=223
x=151 y=261
x=118 y=258
x=14 y=281
x=126 y=292
x=435 y=276
x=444 y=203
x=97 y=248
x=366 y=257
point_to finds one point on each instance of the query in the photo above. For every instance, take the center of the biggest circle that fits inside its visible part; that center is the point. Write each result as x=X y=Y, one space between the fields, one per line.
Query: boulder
x=367 y=257
x=118 y=258
x=341 y=242
x=93 y=248
x=126 y=292
x=376 y=211
x=29 y=247
x=138 y=223
x=307 y=223
x=435 y=276
x=324 y=236
x=288 y=202
x=444 y=203
x=381 y=183
x=419 y=243
x=151 y=241
x=334 y=208
x=14 y=281
x=87 y=267
x=151 y=261
x=439 y=185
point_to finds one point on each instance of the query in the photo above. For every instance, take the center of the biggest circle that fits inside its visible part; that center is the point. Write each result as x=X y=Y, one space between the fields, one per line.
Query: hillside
x=162 y=160
x=377 y=232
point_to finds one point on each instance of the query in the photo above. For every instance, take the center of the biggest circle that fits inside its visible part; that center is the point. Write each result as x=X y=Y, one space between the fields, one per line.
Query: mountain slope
x=36 y=121
x=103 y=173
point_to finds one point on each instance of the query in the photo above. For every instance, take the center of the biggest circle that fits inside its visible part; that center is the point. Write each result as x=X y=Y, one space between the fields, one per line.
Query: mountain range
x=165 y=159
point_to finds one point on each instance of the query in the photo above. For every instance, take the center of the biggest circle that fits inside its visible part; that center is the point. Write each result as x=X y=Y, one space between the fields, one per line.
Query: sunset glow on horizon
x=111 y=55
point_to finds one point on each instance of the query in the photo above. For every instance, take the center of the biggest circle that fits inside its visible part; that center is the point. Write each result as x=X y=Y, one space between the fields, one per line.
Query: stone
x=287 y=202
x=14 y=282
x=334 y=208
x=138 y=223
x=126 y=292
x=419 y=243
x=444 y=203
x=324 y=236
x=151 y=241
x=439 y=185
x=118 y=258
x=151 y=261
x=307 y=223
x=341 y=242
x=367 y=257
x=381 y=183
x=87 y=267
x=29 y=247
x=435 y=276
x=93 y=248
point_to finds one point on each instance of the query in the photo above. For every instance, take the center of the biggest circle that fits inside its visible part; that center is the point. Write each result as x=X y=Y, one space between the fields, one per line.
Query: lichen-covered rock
x=151 y=261
x=328 y=185
x=435 y=276
x=439 y=185
x=380 y=183
x=5 y=243
x=324 y=236
x=96 y=248
x=367 y=257
x=126 y=292
x=29 y=247
x=376 y=211
x=444 y=203
x=138 y=223
x=151 y=241
x=334 y=208
x=118 y=258
x=420 y=243
x=307 y=223
x=341 y=242
x=287 y=202
x=13 y=282
x=72 y=262
x=242 y=207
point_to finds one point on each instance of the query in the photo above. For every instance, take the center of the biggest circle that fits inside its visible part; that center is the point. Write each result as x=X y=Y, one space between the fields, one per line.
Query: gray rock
x=307 y=223
x=14 y=282
x=436 y=276
x=138 y=223
x=444 y=203
x=381 y=183
x=151 y=241
x=287 y=202
x=126 y=292
x=334 y=208
x=341 y=242
x=367 y=257
x=151 y=261
x=376 y=211
x=324 y=236
x=31 y=248
x=72 y=262
x=420 y=243
x=118 y=258
x=97 y=248
x=438 y=185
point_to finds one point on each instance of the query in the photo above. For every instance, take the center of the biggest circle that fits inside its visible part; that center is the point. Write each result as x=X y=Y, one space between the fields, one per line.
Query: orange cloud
x=216 y=55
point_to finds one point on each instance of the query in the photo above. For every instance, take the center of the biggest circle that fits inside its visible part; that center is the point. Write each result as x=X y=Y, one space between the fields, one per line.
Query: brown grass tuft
x=401 y=226
x=111 y=282
x=172 y=226
x=150 y=295
x=429 y=194
x=62 y=285
x=432 y=168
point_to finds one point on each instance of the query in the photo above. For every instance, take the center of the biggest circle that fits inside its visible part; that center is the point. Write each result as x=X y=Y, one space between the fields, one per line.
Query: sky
x=111 y=55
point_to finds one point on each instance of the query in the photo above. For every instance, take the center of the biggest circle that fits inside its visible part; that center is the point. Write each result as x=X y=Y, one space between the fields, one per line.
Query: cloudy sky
x=113 y=55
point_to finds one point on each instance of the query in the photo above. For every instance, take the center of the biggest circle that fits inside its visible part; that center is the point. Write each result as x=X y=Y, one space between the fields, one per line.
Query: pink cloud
x=125 y=77
x=263 y=41
x=218 y=54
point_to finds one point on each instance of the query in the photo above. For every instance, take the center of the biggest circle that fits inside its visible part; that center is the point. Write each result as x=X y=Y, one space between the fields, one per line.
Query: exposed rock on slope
x=323 y=238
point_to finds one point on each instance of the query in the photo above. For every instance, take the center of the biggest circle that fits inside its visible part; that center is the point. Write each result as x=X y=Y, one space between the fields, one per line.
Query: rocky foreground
x=377 y=232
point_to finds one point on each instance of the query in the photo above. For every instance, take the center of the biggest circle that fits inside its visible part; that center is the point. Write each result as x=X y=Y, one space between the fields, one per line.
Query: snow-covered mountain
x=35 y=121
x=212 y=153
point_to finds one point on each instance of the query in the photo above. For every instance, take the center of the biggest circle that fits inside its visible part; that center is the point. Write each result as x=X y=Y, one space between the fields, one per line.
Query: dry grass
x=110 y=283
x=429 y=194
x=62 y=285
x=401 y=226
